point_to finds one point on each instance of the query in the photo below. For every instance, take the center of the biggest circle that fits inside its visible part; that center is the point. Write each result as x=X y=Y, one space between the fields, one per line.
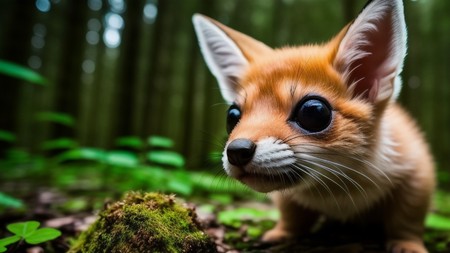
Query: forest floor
x=234 y=222
x=50 y=207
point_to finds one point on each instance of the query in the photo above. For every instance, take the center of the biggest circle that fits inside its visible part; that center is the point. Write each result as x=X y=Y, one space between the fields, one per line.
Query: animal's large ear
x=371 y=53
x=226 y=51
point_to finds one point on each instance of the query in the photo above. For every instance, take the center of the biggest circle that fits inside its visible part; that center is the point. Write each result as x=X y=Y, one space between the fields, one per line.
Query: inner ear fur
x=227 y=53
x=371 y=53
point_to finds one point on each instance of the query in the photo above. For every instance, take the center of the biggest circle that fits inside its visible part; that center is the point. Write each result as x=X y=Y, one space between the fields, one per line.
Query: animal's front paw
x=276 y=235
x=398 y=246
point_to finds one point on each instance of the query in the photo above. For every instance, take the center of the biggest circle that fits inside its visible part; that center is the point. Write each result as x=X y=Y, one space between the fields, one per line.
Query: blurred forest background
x=116 y=68
x=101 y=97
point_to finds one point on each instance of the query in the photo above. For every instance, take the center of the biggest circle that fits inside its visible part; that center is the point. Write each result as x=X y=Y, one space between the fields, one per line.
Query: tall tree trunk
x=158 y=71
x=128 y=66
x=72 y=52
x=16 y=48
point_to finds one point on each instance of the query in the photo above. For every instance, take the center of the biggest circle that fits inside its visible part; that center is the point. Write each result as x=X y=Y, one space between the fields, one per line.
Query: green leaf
x=56 y=117
x=168 y=158
x=130 y=142
x=93 y=154
x=179 y=187
x=42 y=235
x=436 y=221
x=235 y=216
x=75 y=205
x=7 y=136
x=224 y=199
x=61 y=143
x=121 y=158
x=23 y=228
x=180 y=183
x=254 y=232
x=9 y=201
x=156 y=141
x=3 y=249
x=20 y=72
x=9 y=240
x=17 y=154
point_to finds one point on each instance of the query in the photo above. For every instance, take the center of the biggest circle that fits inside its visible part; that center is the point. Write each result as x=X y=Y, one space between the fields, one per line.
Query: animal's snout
x=240 y=151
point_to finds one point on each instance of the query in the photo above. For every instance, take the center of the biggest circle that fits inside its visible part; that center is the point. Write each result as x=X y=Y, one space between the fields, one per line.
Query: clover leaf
x=30 y=232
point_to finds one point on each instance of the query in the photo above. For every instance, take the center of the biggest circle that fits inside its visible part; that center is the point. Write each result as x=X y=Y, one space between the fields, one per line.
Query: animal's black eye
x=233 y=117
x=313 y=115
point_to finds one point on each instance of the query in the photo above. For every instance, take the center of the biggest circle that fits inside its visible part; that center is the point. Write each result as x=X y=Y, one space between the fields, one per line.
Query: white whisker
x=310 y=172
x=340 y=174
x=296 y=167
x=344 y=189
x=360 y=161
x=333 y=163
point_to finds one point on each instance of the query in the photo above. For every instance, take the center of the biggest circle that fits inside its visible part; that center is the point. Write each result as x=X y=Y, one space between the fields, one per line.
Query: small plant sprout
x=29 y=232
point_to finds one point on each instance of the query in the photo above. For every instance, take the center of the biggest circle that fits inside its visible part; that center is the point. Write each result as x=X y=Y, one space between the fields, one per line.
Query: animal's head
x=303 y=114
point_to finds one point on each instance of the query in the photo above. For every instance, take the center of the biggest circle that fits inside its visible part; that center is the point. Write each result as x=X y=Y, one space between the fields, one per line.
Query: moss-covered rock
x=149 y=222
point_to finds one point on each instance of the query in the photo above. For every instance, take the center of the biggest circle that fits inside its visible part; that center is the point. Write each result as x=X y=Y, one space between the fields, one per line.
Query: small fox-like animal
x=319 y=129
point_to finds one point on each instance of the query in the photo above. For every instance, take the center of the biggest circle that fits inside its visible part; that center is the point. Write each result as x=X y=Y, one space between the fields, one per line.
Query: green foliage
x=156 y=141
x=93 y=154
x=121 y=158
x=9 y=202
x=161 y=155
x=181 y=183
x=75 y=205
x=23 y=229
x=246 y=222
x=17 y=155
x=235 y=217
x=135 y=165
x=20 y=72
x=7 y=241
x=439 y=222
x=130 y=142
x=224 y=199
x=165 y=157
x=29 y=232
x=61 y=143
x=7 y=136
x=56 y=117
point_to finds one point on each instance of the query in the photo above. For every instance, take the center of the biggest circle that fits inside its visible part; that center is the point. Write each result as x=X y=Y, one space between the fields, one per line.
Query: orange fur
x=388 y=170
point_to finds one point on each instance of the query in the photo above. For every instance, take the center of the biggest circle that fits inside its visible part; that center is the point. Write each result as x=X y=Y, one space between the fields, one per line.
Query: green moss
x=141 y=222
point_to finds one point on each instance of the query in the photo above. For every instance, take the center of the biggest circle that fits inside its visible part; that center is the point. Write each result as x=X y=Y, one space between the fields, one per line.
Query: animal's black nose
x=240 y=151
